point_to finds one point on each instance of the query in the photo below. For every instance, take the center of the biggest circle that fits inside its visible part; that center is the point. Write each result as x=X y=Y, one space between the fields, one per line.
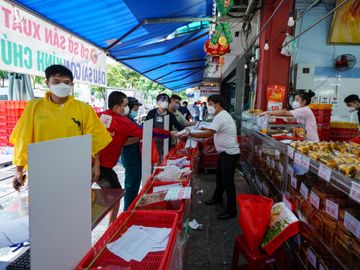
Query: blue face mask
x=133 y=114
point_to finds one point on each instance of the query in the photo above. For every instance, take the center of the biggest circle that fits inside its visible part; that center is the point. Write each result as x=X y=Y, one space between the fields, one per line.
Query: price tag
x=332 y=209
x=305 y=162
x=355 y=192
x=297 y=158
x=265 y=189
x=293 y=182
x=281 y=168
x=352 y=224
x=324 y=172
x=268 y=160
x=304 y=191
x=290 y=152
x=290 y=170
x=312 y=258
x=272 y=164
x=315 y=200
x=277 y=154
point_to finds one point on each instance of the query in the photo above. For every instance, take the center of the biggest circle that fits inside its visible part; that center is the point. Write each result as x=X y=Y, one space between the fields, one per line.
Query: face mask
x=176 y=107
x=164 y=104
x=60 y=90
x=295 y=105
x=126 y=110
x=211 y=109
x=133 y=114
x=351 y=109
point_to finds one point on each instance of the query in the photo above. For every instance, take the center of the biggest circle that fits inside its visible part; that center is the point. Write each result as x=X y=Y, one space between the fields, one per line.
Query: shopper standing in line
x=185 y=111
x=353 y=104
x=196 y=114
x=225 y=139
x=121 y=128
x=158 y=116
x=131 y=158
x=302 y=113
x=203 y=111
x=57 y=115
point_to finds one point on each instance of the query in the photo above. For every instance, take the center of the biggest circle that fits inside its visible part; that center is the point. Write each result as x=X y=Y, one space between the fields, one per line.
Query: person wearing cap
x=131 y=158
x=158 y=117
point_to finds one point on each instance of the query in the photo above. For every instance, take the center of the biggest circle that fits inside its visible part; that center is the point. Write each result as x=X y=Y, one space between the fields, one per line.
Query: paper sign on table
x=174 y=194
x=324 y=172
x=297 y=158
x=305 y=162
x=314 y=200
x=332 y=209
x=355 y=191
x=304 y=190
x=290 y=152
x=352 y=224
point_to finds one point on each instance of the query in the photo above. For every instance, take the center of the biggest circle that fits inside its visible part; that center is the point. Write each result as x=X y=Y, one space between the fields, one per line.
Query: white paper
x=14 y=231
x=195 y=225
x=138 y=241
x=165 y=187
x=180 y=193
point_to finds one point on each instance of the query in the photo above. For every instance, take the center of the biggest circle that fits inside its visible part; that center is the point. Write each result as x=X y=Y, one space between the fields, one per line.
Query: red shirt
x=120 y=129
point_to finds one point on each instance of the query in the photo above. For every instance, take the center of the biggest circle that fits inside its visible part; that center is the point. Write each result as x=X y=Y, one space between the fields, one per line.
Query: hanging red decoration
x=216 y=49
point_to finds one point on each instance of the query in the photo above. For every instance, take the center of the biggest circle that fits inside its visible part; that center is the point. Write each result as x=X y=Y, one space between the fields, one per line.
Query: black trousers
x=225 y=180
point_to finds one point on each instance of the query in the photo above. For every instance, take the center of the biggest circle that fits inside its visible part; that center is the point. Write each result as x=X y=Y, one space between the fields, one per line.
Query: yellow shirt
x=43 y=120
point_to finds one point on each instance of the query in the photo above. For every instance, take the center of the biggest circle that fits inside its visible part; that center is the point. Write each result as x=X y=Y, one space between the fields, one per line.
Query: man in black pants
x=225 y=139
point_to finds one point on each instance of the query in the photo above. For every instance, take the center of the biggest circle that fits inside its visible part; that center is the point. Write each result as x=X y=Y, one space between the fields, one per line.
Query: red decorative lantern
x=216 y=49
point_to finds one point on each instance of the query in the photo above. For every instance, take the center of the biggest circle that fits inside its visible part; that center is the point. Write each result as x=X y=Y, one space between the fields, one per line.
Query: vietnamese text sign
x=29 y=45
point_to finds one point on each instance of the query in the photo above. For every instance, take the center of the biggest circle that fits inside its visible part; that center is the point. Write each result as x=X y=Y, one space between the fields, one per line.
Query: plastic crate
x=100 y=256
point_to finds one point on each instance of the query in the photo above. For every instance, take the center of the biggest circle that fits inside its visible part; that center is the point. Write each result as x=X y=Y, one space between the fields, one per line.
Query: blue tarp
x=103 y=21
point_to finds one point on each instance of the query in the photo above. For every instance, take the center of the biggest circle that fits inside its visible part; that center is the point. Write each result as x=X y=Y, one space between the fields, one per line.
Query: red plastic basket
x=175 y=206
x=100 y=256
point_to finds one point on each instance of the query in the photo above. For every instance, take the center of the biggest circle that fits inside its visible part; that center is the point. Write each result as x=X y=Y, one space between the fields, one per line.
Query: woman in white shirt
x=302 y=113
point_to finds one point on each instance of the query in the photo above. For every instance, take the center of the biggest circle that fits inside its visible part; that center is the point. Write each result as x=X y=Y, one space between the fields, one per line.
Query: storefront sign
x=332 y=209
x=314 y=200
x=29 y=45
x=324 y=172
x=355 y=192
x=352 y=224
x=209 y=90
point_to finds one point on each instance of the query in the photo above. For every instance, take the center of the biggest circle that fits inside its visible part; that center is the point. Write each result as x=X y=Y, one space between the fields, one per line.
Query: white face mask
x=164 y=104
x=295 y=105
x=176 y=107
x=211 y=109
x=126 y=110
x=351 y=109
x=61 y=90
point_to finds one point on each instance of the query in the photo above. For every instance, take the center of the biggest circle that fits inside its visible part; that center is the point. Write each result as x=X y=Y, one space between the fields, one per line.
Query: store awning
x=138 y=33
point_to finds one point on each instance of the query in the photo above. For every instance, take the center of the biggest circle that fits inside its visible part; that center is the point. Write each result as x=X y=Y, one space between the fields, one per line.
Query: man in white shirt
x=223 y=129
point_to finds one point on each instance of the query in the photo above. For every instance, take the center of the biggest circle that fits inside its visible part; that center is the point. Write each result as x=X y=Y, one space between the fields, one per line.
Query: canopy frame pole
x=175 y=63
x=168 y=51
x=155 y=21
x=184 y=77
x=177 y=70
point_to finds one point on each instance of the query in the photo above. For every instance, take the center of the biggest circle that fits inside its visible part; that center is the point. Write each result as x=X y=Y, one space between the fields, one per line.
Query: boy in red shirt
x=121 y=129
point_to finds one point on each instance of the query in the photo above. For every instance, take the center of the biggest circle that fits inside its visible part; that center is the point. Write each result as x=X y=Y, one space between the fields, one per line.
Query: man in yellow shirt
x=57 y=115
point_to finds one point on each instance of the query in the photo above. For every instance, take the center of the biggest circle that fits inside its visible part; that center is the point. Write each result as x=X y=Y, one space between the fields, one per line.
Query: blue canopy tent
x=139 y=34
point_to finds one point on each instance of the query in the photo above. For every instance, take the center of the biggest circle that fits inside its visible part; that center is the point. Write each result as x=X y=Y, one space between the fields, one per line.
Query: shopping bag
x=254 y=218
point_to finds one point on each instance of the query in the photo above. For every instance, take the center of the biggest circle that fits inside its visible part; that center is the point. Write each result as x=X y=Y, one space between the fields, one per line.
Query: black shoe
x=226 y=215
x=212 y=202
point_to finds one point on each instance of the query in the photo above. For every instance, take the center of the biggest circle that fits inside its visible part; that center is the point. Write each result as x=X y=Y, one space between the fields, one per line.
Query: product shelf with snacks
x=323 y=190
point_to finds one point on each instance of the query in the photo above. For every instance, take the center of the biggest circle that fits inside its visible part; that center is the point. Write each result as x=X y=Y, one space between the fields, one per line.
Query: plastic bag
x=291 y=48
x=284 y=224
x=170 y=173
x=254 y=218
